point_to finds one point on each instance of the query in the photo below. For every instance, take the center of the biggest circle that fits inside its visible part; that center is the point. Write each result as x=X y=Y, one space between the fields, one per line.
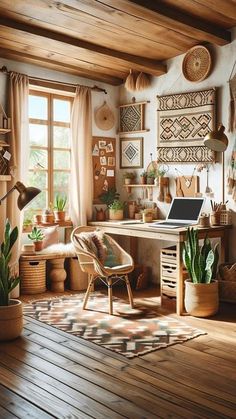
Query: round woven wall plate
x=196 y=64
x=104 y=117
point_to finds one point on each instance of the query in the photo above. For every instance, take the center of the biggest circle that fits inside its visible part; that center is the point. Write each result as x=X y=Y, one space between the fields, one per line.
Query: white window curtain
x=81 y=184
x=19 y=149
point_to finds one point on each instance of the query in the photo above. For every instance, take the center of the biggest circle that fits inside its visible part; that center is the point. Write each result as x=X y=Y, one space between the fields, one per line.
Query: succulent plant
x=36 y=235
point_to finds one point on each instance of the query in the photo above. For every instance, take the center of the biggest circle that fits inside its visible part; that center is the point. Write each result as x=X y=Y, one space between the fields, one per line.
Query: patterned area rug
x=130 y=332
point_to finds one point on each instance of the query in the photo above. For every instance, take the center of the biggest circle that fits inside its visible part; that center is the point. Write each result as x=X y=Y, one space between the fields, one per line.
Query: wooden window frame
x=50 y=123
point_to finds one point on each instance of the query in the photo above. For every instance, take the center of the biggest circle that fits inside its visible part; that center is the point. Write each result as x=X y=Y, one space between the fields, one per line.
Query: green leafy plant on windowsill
x=60 y=202
x=36 y=235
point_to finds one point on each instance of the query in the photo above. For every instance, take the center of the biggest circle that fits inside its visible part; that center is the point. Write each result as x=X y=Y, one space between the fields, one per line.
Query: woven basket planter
x=201 y=300
x=11 y=320
x=33 y=276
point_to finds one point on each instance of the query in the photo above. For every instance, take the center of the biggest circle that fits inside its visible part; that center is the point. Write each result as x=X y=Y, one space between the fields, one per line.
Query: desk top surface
x=147 y=231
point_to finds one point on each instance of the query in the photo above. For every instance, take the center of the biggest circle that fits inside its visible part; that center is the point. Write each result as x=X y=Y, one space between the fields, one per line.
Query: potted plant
x=129 y=177
x=116 y=210
x=59 y=212
x=201 y=289
x=37 y=237
x=107 y=198
x=48 y=215
x=143 y=177
x=11 y=314
x=151 y=175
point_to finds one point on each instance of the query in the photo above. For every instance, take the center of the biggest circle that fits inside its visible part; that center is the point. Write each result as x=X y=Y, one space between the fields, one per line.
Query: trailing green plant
x=7 y=281
x=60 y=202
x=36 y=235
x=200 y=261
x=117 y=205
x=109 y=196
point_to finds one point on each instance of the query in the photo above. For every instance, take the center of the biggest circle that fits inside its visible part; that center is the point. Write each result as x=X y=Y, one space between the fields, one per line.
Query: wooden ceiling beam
x=130 y=61
x=172 y=19
x=58 y=66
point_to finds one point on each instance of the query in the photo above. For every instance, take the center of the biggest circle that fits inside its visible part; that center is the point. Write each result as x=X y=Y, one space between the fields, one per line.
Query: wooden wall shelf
x=4 y=130
x=140 y=185
x=5 y=178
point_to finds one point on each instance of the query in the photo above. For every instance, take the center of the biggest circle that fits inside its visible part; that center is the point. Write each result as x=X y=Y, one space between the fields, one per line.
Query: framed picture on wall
x=131 y=153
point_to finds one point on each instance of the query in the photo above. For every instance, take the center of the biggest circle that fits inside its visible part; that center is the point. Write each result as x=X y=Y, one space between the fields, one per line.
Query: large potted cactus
x=201 y=289
x=11 y=315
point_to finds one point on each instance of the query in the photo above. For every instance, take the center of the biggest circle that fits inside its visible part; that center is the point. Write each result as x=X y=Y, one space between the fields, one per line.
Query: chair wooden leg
x=109 y=281
x=89 y=289
x=129 y=291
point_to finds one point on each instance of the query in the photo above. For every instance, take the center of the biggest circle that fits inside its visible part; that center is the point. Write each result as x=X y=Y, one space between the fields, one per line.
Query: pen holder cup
x=204 y=221
x=215 y=218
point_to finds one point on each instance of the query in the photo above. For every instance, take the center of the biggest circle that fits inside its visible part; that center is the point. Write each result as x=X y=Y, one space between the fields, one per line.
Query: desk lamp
x=218 y=141
x=26 y=194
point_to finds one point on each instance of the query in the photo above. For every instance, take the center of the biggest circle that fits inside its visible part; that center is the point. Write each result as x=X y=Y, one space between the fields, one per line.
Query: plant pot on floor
x=11 y=320
x=201 y=299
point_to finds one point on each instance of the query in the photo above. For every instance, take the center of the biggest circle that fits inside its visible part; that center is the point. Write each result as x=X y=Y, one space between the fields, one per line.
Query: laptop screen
x=185 y=209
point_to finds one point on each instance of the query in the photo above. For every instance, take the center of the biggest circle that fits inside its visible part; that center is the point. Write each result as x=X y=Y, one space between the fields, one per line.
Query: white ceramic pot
x=11 y=320
x=201 y=300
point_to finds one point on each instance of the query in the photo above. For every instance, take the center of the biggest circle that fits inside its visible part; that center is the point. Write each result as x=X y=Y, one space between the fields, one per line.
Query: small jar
x=147 y=217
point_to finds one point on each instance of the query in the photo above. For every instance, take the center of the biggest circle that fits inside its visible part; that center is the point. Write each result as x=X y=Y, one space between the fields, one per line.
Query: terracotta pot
x=38 y=246
x=143 y=180
x=48 y=218
x=11 y=320
x=38 y=218
x=150 y=181
x=100 y=214
x=60 y=215
x=116 y=214
x=201 y=300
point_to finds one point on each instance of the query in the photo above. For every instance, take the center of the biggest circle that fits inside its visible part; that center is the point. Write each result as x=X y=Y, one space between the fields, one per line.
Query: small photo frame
x=131 y=153
x=103 y=161
x=109 y=148
x=103 y=171
x=102 y=144
x=111 y=161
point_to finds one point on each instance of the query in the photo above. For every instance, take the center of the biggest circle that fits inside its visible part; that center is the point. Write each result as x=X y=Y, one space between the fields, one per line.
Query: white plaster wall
x=174 y=82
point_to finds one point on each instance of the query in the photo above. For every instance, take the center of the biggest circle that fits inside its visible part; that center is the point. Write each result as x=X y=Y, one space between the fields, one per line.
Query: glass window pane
x=38 y=179
x=61 y=160
x=38 y=159
x=38 y=135
x=61 y=110
x=61 y=181
x=40 y=202
x=38 y=107
x=61 y=137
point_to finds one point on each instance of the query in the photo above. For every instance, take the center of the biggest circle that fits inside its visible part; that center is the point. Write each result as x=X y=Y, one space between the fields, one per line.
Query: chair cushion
x=111 y=259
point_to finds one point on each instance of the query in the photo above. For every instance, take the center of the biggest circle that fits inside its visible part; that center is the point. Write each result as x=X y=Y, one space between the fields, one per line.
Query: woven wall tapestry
x=183 y=121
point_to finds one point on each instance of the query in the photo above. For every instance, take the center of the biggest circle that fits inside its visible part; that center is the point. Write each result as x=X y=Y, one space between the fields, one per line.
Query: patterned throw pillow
x=97 y=243
x=111 y=258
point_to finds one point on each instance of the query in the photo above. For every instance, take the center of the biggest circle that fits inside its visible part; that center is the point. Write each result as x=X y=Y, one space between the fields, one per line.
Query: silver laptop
x=183 y=212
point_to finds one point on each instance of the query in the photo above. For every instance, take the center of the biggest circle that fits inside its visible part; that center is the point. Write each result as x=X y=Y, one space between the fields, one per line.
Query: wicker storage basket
x=33 y=276
x=227 y=282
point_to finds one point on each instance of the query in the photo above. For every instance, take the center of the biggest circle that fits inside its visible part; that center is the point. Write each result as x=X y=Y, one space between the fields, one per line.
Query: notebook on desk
x=183 y=212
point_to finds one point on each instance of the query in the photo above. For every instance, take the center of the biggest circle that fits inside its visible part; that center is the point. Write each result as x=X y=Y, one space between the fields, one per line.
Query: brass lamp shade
x=216 y=140
x=26 y=194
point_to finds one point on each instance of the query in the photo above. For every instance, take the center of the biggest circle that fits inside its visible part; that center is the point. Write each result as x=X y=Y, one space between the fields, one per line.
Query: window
x=49 y=130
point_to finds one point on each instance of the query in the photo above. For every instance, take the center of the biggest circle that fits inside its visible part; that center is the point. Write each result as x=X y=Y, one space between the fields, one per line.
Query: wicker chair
x=90 y=264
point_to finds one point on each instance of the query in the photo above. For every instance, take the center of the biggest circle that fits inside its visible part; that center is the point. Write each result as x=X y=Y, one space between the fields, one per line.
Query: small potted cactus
x=37 y=237
x=143 y=177
x=48 y=215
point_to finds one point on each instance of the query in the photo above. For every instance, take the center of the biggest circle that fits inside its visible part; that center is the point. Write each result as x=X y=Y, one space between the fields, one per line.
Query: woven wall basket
x=197 y=64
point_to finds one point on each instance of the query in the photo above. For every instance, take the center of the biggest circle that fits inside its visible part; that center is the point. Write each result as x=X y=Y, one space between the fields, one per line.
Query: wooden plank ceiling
x=103 y=39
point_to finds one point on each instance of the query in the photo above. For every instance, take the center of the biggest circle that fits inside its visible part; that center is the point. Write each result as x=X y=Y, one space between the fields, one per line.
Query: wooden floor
x=46 y=373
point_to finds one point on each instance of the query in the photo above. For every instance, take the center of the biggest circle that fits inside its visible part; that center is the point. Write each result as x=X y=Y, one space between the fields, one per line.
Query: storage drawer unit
x=168 y=278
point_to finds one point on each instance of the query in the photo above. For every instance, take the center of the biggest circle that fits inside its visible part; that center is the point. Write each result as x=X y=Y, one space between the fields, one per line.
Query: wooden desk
x=177 y=236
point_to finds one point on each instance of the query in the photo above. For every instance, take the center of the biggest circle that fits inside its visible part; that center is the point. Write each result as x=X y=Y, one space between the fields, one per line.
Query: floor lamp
x=26 y=194
x=218 y=141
